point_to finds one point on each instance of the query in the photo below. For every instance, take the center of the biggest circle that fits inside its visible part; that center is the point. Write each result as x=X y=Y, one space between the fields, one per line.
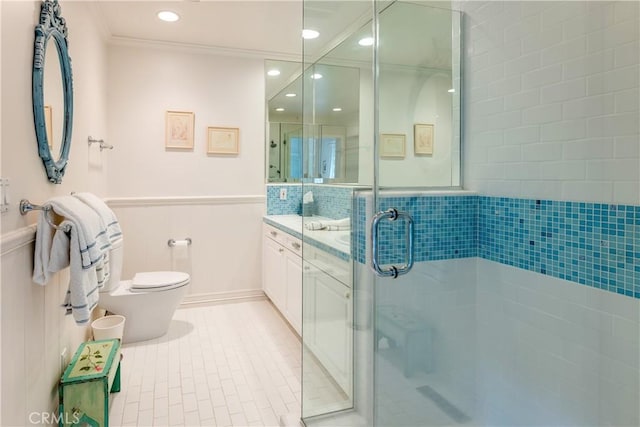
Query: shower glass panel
x=408 y=88
x=423 y=320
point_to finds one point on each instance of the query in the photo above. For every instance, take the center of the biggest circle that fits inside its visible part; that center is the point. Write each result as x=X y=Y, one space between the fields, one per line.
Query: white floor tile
x=222 y=365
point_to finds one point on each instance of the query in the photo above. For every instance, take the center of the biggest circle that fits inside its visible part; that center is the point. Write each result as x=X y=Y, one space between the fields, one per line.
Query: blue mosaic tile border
x=445 y=227
x=592 y=244
x=329 y=201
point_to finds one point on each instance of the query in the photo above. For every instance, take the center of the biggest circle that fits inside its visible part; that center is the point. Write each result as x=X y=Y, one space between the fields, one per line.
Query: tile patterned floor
x=222 y=365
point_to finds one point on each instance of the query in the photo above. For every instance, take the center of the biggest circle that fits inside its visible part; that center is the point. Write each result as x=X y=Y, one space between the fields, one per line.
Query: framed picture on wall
x=392 y=145
x=223 y=140
x=423 y=138
x=179 y=129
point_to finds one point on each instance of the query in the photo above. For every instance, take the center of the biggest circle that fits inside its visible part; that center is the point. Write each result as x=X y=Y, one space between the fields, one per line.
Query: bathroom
x=548 y=97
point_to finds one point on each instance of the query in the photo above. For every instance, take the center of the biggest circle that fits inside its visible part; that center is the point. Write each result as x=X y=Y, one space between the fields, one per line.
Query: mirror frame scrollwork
x=52 y=26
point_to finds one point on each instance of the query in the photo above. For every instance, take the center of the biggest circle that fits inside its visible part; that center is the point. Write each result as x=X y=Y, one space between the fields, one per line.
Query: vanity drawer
x=330 y=264
x=285 y=239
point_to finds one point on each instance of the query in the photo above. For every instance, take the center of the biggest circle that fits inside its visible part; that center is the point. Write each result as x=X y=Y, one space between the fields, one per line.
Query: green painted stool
x=84 y=388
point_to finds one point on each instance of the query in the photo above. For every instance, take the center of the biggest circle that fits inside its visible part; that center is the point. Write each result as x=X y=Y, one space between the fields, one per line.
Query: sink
x=344 y=239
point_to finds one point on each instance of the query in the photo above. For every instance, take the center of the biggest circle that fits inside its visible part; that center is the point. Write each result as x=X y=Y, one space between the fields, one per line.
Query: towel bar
x=26 y=206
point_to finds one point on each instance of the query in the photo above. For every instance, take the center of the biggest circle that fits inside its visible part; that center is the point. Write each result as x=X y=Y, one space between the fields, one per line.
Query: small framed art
x=423 y=138
x=223 y=140
x=179 y=129
x=392 y=145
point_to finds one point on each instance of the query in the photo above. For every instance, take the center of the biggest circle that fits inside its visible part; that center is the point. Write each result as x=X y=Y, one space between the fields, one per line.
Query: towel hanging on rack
x=84 y=247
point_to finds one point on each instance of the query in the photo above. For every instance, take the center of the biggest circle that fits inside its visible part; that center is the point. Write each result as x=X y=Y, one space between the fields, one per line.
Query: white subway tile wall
x=551 y=100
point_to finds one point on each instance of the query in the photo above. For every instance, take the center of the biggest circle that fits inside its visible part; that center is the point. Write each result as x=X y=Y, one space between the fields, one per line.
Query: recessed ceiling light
x=168 y=16
x=367 y=41
x=309 y=34
x=280 y=109
x=337 y=109
x=451 y=90
x=273 y=72
x=316 y=76
x=290 y=95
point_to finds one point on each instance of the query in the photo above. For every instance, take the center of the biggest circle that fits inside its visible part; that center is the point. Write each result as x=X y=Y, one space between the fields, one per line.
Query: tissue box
x=308 y=209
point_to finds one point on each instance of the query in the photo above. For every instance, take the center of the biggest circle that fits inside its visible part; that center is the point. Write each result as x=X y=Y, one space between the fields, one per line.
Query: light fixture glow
x=310 y=34
x=168 y=16
x=273 y=72
x=337 y=109
x=290 y=95
x=367 y=41
x=451 y=90
x=280 y=109
x=316 y=76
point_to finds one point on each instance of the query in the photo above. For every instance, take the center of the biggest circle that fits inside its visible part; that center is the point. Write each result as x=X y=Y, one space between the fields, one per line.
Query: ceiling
x=267 y=28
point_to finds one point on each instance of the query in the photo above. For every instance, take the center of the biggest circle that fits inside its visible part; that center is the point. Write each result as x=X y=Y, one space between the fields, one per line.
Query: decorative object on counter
x=52 y=27
x=179 y=129
x=103 y=145
x=84 y=388
x=423 y=139
x=333 y=225
x=223 y=140
x=392 y=145
x=308 y=205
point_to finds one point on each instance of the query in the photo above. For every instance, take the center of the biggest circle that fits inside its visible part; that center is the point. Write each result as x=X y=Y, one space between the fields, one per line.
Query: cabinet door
x=293 y=272
x=330 y=320
x=273 y=272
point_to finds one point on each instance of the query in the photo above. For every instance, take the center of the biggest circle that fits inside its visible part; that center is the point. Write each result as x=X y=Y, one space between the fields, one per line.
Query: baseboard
x=211 y=298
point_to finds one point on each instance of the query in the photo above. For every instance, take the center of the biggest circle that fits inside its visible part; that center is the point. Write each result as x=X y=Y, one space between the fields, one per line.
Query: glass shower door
x=423 y=318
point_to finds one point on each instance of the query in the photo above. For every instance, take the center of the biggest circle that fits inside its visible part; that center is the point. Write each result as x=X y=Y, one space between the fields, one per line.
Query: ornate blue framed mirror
x=52 y=90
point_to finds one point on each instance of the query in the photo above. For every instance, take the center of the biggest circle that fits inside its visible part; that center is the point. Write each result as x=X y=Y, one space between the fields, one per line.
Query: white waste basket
x=108 y=327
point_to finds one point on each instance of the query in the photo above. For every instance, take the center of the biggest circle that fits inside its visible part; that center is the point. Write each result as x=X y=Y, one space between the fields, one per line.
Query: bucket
x=108 y=327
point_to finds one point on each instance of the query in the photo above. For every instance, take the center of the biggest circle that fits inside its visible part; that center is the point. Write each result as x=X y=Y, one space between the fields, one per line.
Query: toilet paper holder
x=173 y=242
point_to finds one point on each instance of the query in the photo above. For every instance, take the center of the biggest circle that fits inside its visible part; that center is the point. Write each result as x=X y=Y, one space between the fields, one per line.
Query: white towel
x=92 y=241
x=330 y=225
x=84 y=247
x=109 y=219
x=83 y=293
x=42 y=255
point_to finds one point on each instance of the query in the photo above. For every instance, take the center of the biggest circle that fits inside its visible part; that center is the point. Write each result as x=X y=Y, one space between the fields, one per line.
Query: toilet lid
x=158 y=280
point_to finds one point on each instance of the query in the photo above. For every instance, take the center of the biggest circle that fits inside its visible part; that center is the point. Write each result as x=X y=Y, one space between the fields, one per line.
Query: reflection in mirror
x=52 y=88
x=52 y=91
x=324 y=147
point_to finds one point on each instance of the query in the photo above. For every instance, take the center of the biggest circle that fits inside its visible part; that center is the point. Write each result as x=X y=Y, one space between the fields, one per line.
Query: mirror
x=52 y=91
x=322 y=149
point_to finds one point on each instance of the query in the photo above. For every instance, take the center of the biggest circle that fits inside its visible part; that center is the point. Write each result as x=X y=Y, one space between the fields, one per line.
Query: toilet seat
x=156 y=281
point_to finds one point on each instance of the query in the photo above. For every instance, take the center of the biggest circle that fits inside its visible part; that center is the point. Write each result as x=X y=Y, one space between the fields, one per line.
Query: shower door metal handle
x=393 y=271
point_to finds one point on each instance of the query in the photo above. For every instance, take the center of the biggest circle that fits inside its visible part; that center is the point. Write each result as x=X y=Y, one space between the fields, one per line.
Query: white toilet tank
x=115 y=266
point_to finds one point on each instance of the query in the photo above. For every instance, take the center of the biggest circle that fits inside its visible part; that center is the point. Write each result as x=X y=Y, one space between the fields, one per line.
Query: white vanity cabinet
x=328 y=319
x=282 y=273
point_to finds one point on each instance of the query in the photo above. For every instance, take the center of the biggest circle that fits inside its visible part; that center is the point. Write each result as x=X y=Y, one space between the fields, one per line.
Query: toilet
x=147 y=301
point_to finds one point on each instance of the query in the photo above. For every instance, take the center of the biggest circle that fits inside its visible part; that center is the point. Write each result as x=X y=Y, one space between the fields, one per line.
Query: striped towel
x=109 y=219
x=84 y=248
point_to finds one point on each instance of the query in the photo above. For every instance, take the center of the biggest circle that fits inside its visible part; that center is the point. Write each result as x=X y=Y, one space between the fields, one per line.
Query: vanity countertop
x=334 y=242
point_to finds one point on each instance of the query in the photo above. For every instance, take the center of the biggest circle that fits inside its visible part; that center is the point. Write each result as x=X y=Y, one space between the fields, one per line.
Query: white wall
x=218 y=201
x=552 y=352
x=551 y=96
x=551 y=112
x=34 y=327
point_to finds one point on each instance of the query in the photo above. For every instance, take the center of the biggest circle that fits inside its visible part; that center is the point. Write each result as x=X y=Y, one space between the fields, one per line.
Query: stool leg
x=116 y=381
